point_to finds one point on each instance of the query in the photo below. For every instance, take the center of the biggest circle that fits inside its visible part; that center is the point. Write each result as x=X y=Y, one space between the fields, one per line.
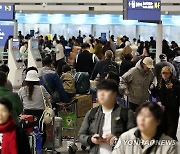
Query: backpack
x=123 y=115
x=109 y=67
x=82 y=82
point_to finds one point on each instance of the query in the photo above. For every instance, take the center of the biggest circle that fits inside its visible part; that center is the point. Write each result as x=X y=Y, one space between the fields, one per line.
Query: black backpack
x=82 y=82
x=109 y=67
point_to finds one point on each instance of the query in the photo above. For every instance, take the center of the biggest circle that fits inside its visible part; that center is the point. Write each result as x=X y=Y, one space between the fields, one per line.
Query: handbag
x=48 y=114
x=55 y=96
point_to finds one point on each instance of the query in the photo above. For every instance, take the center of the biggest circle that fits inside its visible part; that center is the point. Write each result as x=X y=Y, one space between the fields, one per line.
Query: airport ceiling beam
x=92 y=9
x=80 y=1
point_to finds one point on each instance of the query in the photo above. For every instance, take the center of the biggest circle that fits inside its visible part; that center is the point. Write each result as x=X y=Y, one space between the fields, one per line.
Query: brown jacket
x=68 y=82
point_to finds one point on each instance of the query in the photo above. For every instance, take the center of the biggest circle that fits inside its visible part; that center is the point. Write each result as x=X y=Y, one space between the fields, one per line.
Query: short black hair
x=31 y=68
x=85 y=45
x=128 y=56
x=66 y=68
x=47 y=61
x=3 y=78
x=114 y=76
x=108 y=84
x=6 y=103
x=4 y=68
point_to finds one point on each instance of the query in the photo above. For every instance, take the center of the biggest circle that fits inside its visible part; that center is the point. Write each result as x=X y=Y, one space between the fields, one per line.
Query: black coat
x=170 y=98
x=126 y=65
x=85 y=62
x=99 y=68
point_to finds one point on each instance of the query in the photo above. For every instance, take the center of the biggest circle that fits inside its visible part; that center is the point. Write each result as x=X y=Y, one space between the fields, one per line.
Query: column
x=137 y=32
x=159 y=41
x=15 y=29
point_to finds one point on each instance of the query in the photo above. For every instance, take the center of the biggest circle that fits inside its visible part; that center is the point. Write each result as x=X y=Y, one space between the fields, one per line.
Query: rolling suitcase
x=54 y=134
x=32 y=143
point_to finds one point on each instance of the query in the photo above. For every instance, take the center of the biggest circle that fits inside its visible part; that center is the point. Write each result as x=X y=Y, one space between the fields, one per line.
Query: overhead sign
x=146 y=10
x=7 y=12
x=5 y=32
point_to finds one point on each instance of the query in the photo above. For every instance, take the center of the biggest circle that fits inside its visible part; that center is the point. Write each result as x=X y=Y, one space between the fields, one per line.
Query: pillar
x=159 y=41
x=15 y=29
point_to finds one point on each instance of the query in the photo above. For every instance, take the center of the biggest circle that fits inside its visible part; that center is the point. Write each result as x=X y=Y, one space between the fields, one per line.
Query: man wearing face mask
x=167 y=93
x=135 y=83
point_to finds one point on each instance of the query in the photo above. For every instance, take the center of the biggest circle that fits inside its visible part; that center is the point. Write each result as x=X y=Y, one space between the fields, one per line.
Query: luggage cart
x=68 y=114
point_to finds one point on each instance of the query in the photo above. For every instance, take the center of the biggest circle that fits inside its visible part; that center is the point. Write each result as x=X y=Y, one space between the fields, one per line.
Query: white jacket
x=124 y=147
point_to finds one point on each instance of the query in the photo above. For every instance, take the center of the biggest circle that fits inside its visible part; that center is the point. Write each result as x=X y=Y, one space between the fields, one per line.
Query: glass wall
x=128 y=30
x=170 y=33
x=146 y=32
x=42 y=28
x=98 y=29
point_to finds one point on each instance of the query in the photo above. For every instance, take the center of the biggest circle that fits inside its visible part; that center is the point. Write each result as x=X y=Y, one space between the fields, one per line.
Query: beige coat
x=68 y=82
x=123 y=148
x=137 y=83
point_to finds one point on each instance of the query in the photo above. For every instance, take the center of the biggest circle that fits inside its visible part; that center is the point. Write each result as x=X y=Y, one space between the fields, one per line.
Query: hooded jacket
x=131 y=135
x=137 y=83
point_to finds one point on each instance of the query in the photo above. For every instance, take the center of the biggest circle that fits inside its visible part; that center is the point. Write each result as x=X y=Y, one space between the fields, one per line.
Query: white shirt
x=105 y=148
x=59 y=52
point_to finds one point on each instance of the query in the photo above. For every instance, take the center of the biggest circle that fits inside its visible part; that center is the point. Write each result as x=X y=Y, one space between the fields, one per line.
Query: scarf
x=9 y=144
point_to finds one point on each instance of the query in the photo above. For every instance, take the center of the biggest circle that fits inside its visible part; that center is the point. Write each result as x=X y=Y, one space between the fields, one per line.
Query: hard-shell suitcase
x=54 y=134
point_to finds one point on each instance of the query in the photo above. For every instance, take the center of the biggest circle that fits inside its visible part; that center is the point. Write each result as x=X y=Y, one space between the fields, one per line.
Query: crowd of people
x=152 y=93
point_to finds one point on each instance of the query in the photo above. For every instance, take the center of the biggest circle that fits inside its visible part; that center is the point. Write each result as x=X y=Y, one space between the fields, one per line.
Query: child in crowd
x=68 y=81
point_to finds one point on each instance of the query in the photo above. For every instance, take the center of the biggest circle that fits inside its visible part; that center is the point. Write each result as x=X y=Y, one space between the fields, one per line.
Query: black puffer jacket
x=170 y=98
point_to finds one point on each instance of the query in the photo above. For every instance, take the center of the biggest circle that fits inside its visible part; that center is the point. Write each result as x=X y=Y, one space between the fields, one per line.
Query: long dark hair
x=30 y=85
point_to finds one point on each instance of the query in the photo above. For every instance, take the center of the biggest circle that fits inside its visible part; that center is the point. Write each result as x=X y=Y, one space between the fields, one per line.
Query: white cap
x=32 y=76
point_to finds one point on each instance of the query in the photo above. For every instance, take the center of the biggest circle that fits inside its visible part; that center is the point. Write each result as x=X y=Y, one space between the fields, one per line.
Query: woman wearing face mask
x=167 y=93
x=12 y=138
x=141 y=140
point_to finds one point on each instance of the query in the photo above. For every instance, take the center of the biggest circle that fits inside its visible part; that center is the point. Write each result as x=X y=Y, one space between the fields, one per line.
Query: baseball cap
x=148 y=62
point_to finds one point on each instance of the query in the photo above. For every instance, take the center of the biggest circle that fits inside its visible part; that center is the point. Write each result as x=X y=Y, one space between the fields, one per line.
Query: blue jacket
x=54 y=83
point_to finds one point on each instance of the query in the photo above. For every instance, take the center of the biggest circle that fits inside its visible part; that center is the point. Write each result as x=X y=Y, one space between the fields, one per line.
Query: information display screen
x=17 y=55
x=7 y=12
x=15 y=45
x=35 y=45
x=5 y=32
x=145 y=10
x=37 y=55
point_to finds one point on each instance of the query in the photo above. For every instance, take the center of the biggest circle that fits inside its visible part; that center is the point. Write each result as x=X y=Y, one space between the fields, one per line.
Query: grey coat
x=95 y=127
x=123 y=148
x=137 y=82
